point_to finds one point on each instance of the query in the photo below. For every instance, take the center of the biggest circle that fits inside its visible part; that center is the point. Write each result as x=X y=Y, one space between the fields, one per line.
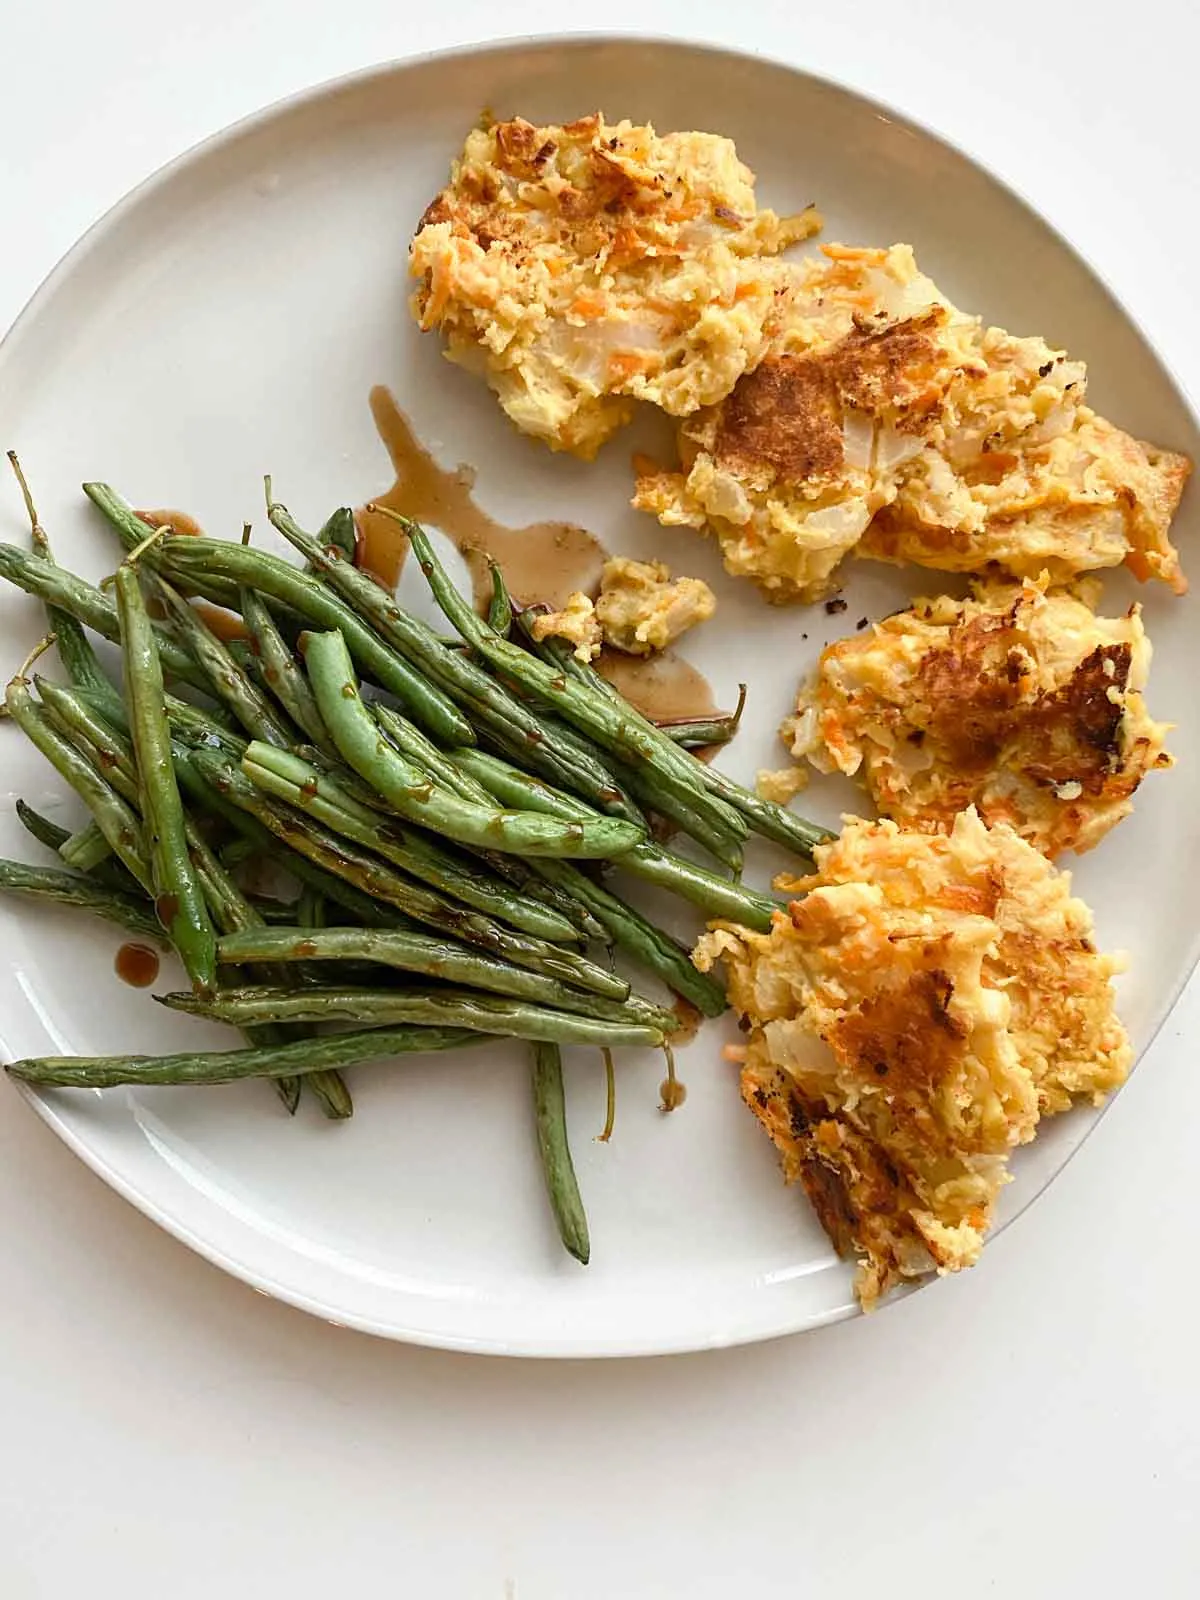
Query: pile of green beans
x=446 y=813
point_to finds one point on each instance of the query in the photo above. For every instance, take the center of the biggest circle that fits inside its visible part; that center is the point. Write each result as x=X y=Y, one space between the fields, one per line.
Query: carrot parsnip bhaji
x=585 y=266
x=884 y=420
x=911 y=1016
x=1019 y=701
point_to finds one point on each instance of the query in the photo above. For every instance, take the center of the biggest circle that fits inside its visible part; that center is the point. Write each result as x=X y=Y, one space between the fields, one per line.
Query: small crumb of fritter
x=585 y=266
x=909 y=1020
x=781 y=786
x=640 y=609
x=576 y=622
x=1019 y=701
x=885 y=421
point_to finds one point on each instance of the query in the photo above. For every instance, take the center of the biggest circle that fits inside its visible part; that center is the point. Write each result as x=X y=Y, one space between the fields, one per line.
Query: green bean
x=550 y=1121
x=275 y=913
x=434 y=958
x=450 y=1008
x=42 y=828
x=641 y=781
x=716 y=896
x=311 y=909
x=702 y=733
x=644 y=943
x=74 y=648
x=328 y=1086
x=227 y=681
x=288 y=778
x=612 y=723
x=362 y=906
x=57 y=587
x=270 y=575
x=500 y=611
x=116 y=821
x=178 y=897
x=299 y=1057
x=229 y=909
x=494 y=712
x=86 y=848
x=192 y=723
x=68 y=889
x=412 y=742
x=112 y=752
x=379 y=880
x=765 y=817
x=106 y=871
x=131 y=527
x=232 y=913
x=416 y=797
x=282 y=671
x=341 y=532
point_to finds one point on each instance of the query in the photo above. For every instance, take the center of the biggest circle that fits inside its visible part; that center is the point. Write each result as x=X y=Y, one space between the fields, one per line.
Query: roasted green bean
x=227 y=681
x=181 y=558
x=116 y=821
x=339 y=857
x=288 y=778
x=56 y=586
x=441 y=1007
x=69 y=889
x=716 y=896
x=495 y=713
x=434 y=958
x=415 y=796
x=178 y=897
x=644 y=943
x=299 y=1057
x=282 y=672
x=558 y=1169
x=612 y=723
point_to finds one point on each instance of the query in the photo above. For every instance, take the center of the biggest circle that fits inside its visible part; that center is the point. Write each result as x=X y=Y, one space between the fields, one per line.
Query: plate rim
x=553 y=1347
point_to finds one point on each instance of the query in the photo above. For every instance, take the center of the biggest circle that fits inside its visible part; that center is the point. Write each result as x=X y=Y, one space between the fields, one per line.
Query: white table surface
x=1031 y=1429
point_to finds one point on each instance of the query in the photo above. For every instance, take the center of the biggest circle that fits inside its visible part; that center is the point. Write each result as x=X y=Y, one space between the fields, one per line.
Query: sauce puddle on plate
x=543 y=563
x=179 y=521
x=664 y=687
x=136 y=965
x=546 y=561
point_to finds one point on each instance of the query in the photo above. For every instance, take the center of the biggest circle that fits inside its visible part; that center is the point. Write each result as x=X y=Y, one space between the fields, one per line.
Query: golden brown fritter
x=584 y=266
x=1019 y=701
x=910 y=1018
x=885 y=421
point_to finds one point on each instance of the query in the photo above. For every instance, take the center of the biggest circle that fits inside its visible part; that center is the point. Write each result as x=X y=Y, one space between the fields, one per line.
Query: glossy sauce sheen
x=545 y=561
x=179 y=521
x=226 y=625
x=665 y=687
x=136 y=965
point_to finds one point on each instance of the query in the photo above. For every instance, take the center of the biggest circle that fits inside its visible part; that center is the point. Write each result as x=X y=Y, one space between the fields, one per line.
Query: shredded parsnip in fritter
x=918 y=1007
x=1019 y=701
x=885 y=421
x=640 y=609
x=584 y=266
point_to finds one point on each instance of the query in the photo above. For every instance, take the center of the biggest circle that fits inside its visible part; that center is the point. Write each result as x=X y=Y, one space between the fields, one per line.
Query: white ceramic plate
x=230 y=317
